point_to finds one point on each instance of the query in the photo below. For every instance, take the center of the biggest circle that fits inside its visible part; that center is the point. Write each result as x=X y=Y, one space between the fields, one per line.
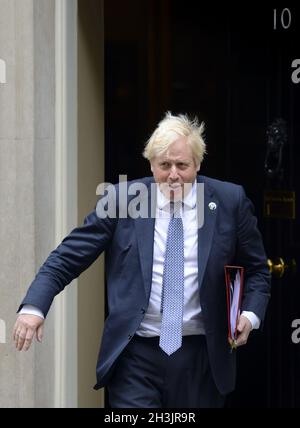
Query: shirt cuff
x=255 y=321
x=31 y=310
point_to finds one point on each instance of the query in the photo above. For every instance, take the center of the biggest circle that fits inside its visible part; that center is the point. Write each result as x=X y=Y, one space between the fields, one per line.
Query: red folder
x=234 y=280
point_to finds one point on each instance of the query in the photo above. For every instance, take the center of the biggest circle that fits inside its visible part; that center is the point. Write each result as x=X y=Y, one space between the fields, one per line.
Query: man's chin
x=172 y=193
x=175 y=193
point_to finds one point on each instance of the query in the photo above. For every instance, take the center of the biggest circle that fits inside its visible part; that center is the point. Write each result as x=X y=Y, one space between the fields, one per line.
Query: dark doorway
x=233 y=69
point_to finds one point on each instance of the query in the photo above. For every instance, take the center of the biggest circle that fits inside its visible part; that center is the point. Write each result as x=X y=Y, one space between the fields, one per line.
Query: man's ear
x=151 y=167
x=197 y=165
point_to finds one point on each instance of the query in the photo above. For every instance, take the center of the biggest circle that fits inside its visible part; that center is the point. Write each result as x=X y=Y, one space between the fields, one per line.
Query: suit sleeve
x=251 y=254
x=74 y=255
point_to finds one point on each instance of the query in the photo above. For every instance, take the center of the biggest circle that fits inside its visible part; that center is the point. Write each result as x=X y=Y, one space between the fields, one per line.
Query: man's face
x=174 y=168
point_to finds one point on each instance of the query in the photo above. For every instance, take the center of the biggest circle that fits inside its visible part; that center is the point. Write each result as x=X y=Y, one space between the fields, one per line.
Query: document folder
x=234 y=280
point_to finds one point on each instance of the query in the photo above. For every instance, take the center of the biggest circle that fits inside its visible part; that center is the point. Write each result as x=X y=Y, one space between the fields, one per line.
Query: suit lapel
x=205 y=233
x=145 y=237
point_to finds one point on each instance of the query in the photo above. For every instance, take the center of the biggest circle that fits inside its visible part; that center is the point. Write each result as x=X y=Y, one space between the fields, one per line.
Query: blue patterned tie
x=173 y=288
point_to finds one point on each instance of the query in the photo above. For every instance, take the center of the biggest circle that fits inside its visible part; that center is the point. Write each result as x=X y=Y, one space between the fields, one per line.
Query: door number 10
x=282 y=19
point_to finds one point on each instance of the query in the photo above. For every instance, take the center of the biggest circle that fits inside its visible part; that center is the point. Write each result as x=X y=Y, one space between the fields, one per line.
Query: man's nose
x=173 y=173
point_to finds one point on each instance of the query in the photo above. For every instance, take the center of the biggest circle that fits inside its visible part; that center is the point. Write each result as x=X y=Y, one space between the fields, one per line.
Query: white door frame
x=66 y=207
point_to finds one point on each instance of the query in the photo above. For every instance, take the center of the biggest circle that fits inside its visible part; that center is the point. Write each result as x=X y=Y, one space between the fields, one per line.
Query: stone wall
x=27 y=136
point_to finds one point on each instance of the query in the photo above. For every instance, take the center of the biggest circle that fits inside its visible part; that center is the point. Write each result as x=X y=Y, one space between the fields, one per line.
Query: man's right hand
x=25 y=328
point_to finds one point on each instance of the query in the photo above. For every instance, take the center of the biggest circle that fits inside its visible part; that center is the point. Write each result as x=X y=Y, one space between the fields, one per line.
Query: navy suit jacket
x=229 y=235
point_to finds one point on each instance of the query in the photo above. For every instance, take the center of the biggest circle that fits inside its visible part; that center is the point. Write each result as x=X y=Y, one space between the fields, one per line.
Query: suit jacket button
x=129 y=336
x=143 y=311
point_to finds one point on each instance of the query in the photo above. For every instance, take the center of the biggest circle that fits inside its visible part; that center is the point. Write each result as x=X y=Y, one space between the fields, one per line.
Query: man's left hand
x=244 y=327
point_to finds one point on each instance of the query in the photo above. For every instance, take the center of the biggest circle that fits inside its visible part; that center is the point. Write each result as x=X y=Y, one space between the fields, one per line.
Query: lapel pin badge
x=212 y=206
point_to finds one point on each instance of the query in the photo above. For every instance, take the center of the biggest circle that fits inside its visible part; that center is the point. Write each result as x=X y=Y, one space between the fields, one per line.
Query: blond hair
x=169 y=129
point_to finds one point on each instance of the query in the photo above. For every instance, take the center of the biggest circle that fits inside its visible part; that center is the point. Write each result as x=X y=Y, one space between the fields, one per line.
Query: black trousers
x=146 y=377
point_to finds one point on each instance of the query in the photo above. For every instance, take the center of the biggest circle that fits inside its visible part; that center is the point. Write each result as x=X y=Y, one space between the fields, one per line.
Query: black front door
x=239 y=71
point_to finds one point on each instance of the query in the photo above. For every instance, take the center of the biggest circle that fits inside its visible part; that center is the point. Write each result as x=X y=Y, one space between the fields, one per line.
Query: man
x=165 y=339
